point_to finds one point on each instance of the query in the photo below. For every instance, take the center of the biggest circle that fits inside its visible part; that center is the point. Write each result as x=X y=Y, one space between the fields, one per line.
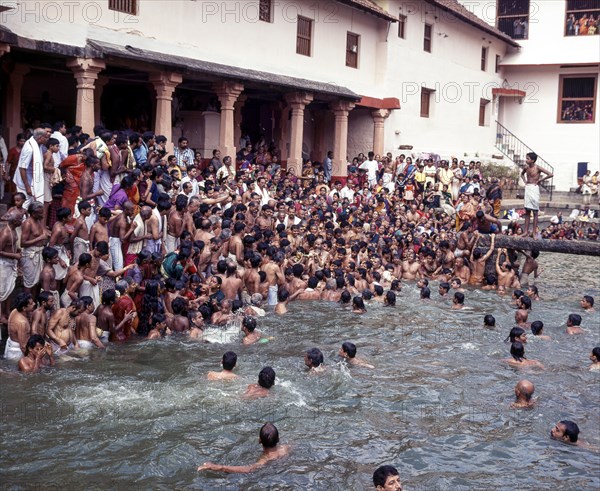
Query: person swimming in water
x=518 y=360
x=425 y=293
x=587 y=303
x=272 y=450
x=358 y=305
x=516 y=334
x=251 y=334
x=228 y=362
x=443 y=288
x=313 y=359
x=565 y=431
x=489 y=321
x=266 y=380
x=458 y=302
x=537 y=329
x=574 y=324
x=348 y=352
x=595 y=358
x=387 y=478
x=524 y=395
x=390 y=299
x=533 y=292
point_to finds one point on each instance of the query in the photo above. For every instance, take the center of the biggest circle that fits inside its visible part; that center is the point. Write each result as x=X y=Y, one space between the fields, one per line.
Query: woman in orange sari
x=133 y=193
x=73 y=168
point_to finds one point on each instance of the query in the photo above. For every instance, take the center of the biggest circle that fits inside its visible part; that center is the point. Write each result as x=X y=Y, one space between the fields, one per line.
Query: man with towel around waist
x=34 y=236
x=9 y=256
x=532 y=174
x=18 y=326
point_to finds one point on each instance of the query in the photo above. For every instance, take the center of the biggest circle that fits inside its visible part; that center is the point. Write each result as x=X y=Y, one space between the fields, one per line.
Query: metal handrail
x=508 y=143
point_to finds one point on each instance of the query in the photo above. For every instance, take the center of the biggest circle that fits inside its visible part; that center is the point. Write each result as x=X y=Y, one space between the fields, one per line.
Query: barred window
x=125 y=6
x=577 y=99
x=304 y=36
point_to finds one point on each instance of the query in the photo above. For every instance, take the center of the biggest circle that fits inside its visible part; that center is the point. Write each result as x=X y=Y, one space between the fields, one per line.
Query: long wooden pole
x=579 y=247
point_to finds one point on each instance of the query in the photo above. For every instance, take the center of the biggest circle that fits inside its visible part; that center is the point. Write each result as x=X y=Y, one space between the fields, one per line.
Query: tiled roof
x=371 y=8
x=454 y=7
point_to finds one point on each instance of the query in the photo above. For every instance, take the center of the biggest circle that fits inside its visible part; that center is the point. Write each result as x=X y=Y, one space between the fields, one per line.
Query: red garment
x=12 y=161
x=122 y=307
x=73 y=171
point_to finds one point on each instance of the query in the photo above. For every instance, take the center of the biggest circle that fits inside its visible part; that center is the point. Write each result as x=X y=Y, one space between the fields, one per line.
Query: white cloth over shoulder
x=532 y=197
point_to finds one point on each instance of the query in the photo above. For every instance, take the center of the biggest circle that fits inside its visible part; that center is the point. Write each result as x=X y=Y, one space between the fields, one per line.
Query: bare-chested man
x=9 y=256
x=61 y=328
x=120 y=230
x=236 y=246
x=478 y=260
x=232 y=286
x=38 y=353
x=410 y=265
x=265 y=219
x=80 y=238
x=19 y=328
x=85 y=325
x=251 y=275
x=75 y=279
x=175 y=222
x=58 y=240
x=275 y=277
x=106 y=318
x=99 y=231
x=228 y=362
x=39 y=318
x=533 y=177
x=504 y=271
x=34 y=237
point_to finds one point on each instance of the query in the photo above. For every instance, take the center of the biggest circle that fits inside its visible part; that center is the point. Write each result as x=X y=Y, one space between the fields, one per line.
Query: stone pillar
x=340 y=137
x=98 y=89
x=297 y=101
x=164 y=84
x=4 y=48
x=86 y=72
x=228 y=93
x=237 y=120
x=379 y=117
x=13 y=102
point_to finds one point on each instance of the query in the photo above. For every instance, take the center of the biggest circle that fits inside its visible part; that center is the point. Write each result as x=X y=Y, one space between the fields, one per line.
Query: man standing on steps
x=533 y=173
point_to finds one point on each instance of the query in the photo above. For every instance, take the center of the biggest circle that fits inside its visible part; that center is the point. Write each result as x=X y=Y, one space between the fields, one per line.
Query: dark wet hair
x=515 y=332
x=269 y=435
x=282 y=295
x=34 y=340
x=358 y=303
x=315 y=357
x=108 y=297
x=86 y=301
x=21 y=301
x=575 y=319
x=445 y=285
x=489 y=320
x=345 y=297
x=367 y=294
x=43 y=297
x=589 y=299
x=596 y=352
x=249 y=323
x=459 y=297
x=390 y=298
x=517 y=350
x=571 y=430
x=229 y=360
x=518 y=294
x=425 y=292
x=536 y=327
x=382 y=473
x=84 y=260
x=349 y=348
x=266 y=377
x=525 y=301
x=49 y=253
x=425 y=281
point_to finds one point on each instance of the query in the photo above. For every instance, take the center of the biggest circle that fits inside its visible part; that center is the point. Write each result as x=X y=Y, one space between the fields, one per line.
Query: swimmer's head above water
x=387 y=478
x=313 y=358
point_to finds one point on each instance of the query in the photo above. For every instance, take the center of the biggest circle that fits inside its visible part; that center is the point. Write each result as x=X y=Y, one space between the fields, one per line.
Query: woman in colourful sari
x=73 y=168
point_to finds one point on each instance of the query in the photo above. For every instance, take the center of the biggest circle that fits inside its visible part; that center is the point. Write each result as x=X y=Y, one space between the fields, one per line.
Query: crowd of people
x=115 y=239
